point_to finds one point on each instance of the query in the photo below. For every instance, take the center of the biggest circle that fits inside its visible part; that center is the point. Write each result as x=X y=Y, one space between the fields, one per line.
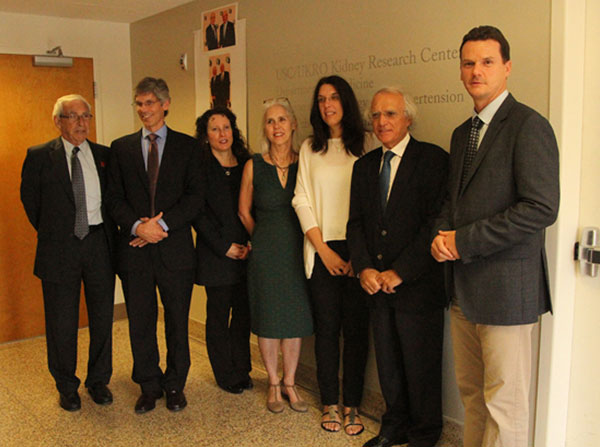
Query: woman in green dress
x=278 y=293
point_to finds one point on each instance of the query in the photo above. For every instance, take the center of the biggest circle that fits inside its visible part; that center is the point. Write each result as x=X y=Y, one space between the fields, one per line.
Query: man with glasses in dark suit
x=62 y=189
x=154 y=194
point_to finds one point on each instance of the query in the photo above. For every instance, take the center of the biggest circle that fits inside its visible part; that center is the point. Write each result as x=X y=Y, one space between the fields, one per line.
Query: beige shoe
x=275 y=406
x=300 y=405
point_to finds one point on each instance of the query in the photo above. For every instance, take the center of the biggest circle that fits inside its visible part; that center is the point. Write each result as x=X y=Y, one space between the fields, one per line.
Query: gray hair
x=60 y=103
x=410 y=108
x=153 y=85
x=285 y=103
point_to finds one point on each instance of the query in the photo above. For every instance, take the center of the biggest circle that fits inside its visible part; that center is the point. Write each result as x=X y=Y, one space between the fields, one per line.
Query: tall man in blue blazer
x=503 y=192
x=154 y=193
x=63 y=186
x=397 y=191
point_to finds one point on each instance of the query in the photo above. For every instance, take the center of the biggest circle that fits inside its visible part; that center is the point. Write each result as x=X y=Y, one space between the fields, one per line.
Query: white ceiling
x=125 y=11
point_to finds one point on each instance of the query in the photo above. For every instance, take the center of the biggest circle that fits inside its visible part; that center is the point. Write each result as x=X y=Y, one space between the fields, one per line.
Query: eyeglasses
x=323 y=99
x=73 y=117
x=279 y=99
x=148 y=103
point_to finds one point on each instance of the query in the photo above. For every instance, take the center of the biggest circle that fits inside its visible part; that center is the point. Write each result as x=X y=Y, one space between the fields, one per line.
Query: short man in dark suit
x=212 y=31
x=62 y=189
x=226 y=31
x=503 y=192
x=396 y=192
x=154 y=193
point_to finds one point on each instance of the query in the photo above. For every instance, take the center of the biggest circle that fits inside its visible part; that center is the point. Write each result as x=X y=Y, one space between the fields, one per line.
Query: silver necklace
x=284 y=169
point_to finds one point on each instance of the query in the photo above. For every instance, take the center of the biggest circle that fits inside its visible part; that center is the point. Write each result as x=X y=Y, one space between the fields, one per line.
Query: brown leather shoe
x=275 y=406
x=299 y=405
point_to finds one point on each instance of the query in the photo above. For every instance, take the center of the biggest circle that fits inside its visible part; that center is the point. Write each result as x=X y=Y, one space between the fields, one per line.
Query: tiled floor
x=30 y=415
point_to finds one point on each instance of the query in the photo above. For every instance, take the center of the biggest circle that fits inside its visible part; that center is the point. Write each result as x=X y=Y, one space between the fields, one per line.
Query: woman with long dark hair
x=221 y=247
x=322 y=203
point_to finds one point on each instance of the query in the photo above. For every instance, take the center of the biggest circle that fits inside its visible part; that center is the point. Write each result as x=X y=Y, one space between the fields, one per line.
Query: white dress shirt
x=395 y=161
x=93 y=194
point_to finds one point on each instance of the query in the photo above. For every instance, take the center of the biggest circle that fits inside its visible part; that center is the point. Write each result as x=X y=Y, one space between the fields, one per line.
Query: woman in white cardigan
x=322 y=202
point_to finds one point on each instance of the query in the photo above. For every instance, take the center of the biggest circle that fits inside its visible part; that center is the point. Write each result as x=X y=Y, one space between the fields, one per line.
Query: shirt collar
x=83 y=147
x=161 y=133
x=490 y=110
x=400 y=147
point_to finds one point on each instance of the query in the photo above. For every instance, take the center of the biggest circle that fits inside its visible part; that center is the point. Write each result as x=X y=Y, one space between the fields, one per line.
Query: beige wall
x=106 y=43
x=584 y=395
x=290 y=45
x=289 y=48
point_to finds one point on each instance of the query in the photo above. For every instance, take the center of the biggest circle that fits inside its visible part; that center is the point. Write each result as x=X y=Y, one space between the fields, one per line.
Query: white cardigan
x=322 y=194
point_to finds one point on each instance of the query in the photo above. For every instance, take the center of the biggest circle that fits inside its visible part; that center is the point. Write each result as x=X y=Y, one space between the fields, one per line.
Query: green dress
x=277 y=288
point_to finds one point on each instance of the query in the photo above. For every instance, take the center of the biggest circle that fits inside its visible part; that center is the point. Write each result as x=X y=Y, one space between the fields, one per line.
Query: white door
x=568 y=407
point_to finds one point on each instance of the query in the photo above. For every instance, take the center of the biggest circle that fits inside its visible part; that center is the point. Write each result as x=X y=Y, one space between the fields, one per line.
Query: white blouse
x=322 y=194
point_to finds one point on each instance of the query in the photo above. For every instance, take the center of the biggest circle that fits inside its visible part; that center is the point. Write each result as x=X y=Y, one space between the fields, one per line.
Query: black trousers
x=89 y=262
x=339 y=305
x=228 y=333
x=139 y=289
x=408 y=348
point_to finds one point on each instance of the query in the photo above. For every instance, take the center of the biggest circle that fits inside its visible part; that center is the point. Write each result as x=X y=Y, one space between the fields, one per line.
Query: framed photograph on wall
x=219 y=26
x=220 y=75
x=219 y=68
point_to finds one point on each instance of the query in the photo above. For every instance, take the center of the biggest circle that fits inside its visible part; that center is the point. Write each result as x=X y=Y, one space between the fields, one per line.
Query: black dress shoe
x=70 y=402
x=382 y=441
x=176 y=400
x=233 y=389
x=146 y=402
x=246 y=384
x=100 y=394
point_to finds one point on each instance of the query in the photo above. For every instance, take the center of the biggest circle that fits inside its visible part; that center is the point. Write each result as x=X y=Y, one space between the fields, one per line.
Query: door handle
x=587 y=251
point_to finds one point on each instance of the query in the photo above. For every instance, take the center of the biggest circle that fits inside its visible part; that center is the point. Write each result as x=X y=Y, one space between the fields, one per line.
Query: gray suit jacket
x=509 y=197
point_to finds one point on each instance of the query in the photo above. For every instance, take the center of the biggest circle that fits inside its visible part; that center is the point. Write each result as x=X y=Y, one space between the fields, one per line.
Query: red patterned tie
x=152 y=170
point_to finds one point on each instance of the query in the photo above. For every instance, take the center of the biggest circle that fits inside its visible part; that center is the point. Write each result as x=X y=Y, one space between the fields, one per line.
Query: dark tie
x=152 y=170
x=476 y=124
x=81 y=219
x=384 y=177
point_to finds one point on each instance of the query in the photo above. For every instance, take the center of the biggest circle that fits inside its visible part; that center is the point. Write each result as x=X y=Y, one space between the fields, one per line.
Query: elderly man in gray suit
x=503 y=192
